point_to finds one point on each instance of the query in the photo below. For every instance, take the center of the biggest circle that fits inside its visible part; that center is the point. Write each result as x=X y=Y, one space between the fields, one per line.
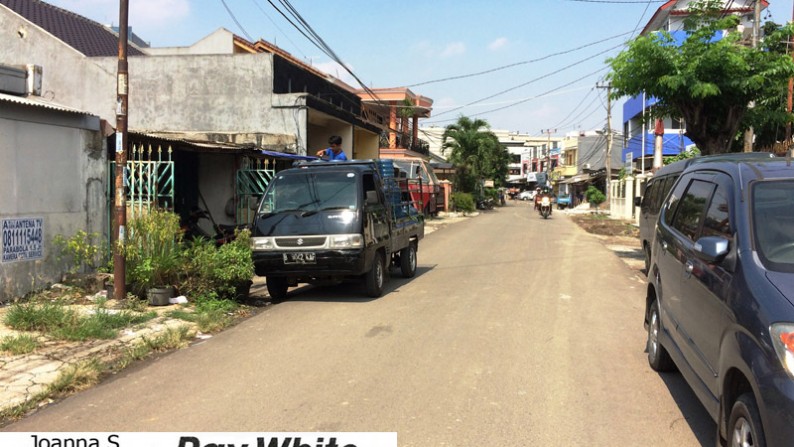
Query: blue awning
x=288 y=156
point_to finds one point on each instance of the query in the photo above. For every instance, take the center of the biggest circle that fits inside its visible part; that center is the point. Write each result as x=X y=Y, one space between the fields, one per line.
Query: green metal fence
x=251 y=181
x=148 y=182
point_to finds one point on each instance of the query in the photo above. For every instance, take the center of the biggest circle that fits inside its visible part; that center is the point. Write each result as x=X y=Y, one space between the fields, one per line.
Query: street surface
x=515 y=331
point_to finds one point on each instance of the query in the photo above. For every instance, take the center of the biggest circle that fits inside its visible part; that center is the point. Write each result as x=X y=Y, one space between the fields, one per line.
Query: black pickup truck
x=324 y=222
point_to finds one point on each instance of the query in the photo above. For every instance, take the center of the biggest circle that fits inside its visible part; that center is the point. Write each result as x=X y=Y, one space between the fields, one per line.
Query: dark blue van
x=720 y=298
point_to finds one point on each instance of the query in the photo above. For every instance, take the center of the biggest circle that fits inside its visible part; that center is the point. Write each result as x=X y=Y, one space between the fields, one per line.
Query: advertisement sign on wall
x=23 y=239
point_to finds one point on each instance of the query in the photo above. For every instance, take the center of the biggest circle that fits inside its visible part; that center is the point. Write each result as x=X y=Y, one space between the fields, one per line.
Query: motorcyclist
x=541 y=192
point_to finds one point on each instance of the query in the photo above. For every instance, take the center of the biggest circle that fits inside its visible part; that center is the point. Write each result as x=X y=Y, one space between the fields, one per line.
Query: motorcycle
x=544 y=206
x=191 y=229
x=485 y=203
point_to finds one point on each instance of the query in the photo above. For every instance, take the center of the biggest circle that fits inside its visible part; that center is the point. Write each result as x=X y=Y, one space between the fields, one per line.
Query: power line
x=531 y=98
x=277 y=27
x=503 y=67
x=531 y=81
x=236 y=21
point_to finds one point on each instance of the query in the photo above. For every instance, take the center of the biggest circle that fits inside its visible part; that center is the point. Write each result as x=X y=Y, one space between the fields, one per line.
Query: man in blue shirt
x=334 y=152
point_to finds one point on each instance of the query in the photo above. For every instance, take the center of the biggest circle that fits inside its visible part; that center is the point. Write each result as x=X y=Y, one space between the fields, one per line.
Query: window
x=651 y=191
x=673 y=199
x=692 y=208
x=773 y=223
x=717 y=222
x=666 y=187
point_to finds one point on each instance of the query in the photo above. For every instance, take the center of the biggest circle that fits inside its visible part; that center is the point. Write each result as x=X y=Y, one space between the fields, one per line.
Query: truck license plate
x=299 y=258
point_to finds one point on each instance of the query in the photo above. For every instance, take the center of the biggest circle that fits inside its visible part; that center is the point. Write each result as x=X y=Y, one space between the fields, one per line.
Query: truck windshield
x=310 y=192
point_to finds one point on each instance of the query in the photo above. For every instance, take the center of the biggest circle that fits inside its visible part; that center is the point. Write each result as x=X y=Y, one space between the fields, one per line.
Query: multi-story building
x=638 y=141
x=528 y=153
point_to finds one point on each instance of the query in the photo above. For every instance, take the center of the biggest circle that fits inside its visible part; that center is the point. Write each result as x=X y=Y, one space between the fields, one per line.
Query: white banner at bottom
x=199 y=439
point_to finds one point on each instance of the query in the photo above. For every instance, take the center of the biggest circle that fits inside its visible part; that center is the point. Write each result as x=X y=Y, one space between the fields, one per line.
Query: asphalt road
x=515 y=331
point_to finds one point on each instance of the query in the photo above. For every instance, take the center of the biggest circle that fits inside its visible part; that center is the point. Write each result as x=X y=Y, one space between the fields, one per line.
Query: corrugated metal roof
x=36 y=102
x=84 y=35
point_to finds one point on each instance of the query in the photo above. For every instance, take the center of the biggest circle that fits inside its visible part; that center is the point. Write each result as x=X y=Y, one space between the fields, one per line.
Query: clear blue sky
x=396 y=44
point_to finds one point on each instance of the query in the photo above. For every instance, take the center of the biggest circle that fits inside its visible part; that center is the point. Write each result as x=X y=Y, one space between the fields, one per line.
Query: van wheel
x=376 y=277
x=744 y=424
x=408 y=260
x=658 y=357
x=277 y=288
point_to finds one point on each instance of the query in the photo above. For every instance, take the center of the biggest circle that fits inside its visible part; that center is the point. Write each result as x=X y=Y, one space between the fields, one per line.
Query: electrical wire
x=236 y=21
x=531 y=98
x=530 y=81
x=504 y=67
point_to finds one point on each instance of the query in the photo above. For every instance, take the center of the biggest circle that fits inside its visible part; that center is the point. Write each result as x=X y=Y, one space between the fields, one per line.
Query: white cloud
x=498 y=44
x=454 y=49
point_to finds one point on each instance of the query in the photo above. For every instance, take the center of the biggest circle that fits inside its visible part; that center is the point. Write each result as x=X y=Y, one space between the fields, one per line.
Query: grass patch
x=63 y=323
x=17 y=345
x=210 y=315
x=76 y=377
x=170 y=339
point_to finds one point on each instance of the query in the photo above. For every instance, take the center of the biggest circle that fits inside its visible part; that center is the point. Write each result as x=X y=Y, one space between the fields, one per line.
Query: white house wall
x=54 y=171
x=231 y=95
x=68 y=77
x=219 y=42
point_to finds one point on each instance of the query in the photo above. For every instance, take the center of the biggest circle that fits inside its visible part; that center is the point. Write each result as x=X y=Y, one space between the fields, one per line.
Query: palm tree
x=471 y=144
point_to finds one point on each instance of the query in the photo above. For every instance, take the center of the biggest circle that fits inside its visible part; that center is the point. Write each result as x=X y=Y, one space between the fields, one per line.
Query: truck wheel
x=376 y=277
x=408 y=260
x=277 y=288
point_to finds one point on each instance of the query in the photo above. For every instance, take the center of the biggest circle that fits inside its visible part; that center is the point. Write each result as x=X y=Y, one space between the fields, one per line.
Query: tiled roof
x=82 y=34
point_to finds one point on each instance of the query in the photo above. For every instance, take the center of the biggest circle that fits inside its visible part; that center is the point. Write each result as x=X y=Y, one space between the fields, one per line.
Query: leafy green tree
x=476 y=153
x=706 y=81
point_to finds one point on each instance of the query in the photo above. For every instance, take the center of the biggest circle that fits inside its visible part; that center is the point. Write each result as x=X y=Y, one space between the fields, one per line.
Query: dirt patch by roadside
x=605 y=226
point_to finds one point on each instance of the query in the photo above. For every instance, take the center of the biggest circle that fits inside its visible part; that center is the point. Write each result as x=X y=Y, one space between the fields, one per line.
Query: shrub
x=152 y=249
x=81 y=250
x=595 y=196
x=217 y=272
x=463 y=201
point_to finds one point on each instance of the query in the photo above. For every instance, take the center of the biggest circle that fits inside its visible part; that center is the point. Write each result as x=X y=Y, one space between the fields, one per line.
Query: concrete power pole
x=608 y=161
x=749 y=134
x=548 y=133
x=120 y=201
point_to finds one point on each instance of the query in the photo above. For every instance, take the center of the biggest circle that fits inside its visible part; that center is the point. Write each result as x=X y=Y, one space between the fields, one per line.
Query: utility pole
x=120 y=202
x=548 y=133
x=608 y=161
x=750 y=133
x=789 y=98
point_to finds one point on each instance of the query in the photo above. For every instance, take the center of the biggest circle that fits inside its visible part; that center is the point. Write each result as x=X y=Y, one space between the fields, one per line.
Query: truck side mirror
x=638 y=201
x=372 y=197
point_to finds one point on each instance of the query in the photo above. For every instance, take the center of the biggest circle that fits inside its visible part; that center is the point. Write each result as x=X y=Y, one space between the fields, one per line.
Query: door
x=668 y=263
x=690 y=307
x=705 y=286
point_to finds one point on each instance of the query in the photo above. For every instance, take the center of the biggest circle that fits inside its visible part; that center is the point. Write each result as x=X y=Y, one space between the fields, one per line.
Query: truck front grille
x=301 y=241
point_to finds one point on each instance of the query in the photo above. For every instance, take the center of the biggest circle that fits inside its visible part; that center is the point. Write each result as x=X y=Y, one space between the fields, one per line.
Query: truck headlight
x=783 y=340
x=263 y=243
x=345 y=241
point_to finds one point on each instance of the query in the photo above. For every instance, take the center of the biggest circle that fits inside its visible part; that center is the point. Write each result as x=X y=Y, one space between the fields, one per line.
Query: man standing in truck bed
x=334 y=151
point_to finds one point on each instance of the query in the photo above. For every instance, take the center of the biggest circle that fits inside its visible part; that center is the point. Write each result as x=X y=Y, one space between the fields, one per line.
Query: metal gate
x=251 y=181
x=148 y=182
